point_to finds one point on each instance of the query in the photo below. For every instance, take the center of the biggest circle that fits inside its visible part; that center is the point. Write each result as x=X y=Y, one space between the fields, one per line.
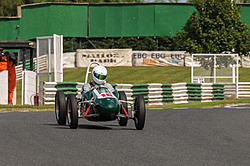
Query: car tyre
x=123 y=121
x=60 y=108
x=72 y=112
x=140 y=112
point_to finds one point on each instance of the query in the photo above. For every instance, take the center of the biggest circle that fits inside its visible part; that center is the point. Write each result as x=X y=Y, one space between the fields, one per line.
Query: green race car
x=99 y=104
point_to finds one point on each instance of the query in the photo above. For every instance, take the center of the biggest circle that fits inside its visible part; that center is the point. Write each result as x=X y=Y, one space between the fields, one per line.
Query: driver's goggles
x=99 y=76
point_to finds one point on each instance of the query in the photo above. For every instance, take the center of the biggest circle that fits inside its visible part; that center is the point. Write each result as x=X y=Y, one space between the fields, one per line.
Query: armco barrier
x=154 y=94
x=230 y=91
x=179 y=92
x=50 y=88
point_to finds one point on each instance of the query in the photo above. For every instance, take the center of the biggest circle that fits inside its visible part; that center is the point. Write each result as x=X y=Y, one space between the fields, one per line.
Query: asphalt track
x=180 y=137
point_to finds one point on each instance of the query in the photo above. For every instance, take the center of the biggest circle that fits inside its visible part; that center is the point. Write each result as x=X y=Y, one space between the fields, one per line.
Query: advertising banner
x=106 y=57
x=28 y=87
x=4 y=87
x=69 y=60
x=158 y=58
x=245 y=61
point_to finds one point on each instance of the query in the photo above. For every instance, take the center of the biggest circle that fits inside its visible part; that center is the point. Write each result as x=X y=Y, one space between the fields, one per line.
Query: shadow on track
x=95 y=127
x=104 y=127
x=91 y=127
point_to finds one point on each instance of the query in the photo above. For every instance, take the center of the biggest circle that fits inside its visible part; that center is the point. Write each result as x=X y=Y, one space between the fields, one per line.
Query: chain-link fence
x=214 y=68
x=49 y=59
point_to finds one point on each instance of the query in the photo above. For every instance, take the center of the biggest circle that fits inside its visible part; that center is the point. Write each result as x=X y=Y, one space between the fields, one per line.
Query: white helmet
x=99 y=74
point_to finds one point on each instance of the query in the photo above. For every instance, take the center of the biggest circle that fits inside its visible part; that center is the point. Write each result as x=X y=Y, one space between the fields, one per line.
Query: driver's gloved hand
x=96 y=86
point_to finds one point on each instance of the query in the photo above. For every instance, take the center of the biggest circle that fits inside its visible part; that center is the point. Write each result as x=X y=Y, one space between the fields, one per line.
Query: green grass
x=244 y=74
x=25 y=107
x=19 y=92
x=135 y=75
x=145 y=74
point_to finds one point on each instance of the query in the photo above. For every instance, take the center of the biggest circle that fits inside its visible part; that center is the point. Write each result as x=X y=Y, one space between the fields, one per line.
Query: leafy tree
x=9 y=7
x=214 y=27
x=146 y=43
x=142 y=43
x=165 y=43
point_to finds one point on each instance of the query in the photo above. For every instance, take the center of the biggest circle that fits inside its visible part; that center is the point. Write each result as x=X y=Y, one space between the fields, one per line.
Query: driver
x=98 y=74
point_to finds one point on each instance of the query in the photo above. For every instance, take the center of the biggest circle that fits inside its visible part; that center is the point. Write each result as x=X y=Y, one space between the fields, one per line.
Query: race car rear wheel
x=140 y=112
x=123 y=120
x=72 y=113
x=60 y=108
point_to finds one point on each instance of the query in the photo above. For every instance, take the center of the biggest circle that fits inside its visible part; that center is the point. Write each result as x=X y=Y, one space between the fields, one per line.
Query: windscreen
x=103 y=90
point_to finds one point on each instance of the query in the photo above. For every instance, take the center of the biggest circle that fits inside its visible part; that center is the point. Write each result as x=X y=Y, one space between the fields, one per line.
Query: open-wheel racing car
x=99 y=104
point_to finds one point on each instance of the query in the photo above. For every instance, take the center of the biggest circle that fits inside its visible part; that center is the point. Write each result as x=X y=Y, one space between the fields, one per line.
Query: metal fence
x=43 y=64
x=244 y=90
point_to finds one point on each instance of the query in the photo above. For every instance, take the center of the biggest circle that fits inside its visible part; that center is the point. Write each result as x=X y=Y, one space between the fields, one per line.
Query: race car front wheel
x=123 y=120
x=140 y=112
x=72 y=113
x=60 y=108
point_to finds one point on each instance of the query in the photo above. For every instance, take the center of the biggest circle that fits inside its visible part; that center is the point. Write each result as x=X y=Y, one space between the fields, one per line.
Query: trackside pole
x=237 y=76
x=37 y=66
x=192 y=69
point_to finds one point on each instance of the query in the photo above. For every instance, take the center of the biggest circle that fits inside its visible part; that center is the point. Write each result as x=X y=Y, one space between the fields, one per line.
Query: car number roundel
x=106 y=95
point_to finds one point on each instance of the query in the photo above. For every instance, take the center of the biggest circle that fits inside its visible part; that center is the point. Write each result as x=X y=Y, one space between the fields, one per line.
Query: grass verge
x=135 y=74
x=214 y=104
x=144 y=74
x=25 y=107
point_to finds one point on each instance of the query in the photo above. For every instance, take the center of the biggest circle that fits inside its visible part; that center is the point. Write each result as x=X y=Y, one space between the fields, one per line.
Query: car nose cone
x=108 y=104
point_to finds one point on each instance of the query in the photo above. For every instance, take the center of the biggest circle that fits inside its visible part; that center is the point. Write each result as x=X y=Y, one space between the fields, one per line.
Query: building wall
x=9 y=29
x=121 y=20
x=100 y=20
x=47 y=19
x=245 y=14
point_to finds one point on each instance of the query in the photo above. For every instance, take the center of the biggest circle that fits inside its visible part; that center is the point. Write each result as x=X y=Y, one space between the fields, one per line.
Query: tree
x=9 y=7
x=214 y=27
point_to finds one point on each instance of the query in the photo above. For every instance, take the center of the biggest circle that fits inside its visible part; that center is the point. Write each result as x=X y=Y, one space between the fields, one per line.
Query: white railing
x=43 y=65
x=244 y=90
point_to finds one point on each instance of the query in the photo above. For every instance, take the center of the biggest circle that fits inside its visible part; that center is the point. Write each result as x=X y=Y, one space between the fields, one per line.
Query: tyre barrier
x=50 y=89
x=154 y=94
